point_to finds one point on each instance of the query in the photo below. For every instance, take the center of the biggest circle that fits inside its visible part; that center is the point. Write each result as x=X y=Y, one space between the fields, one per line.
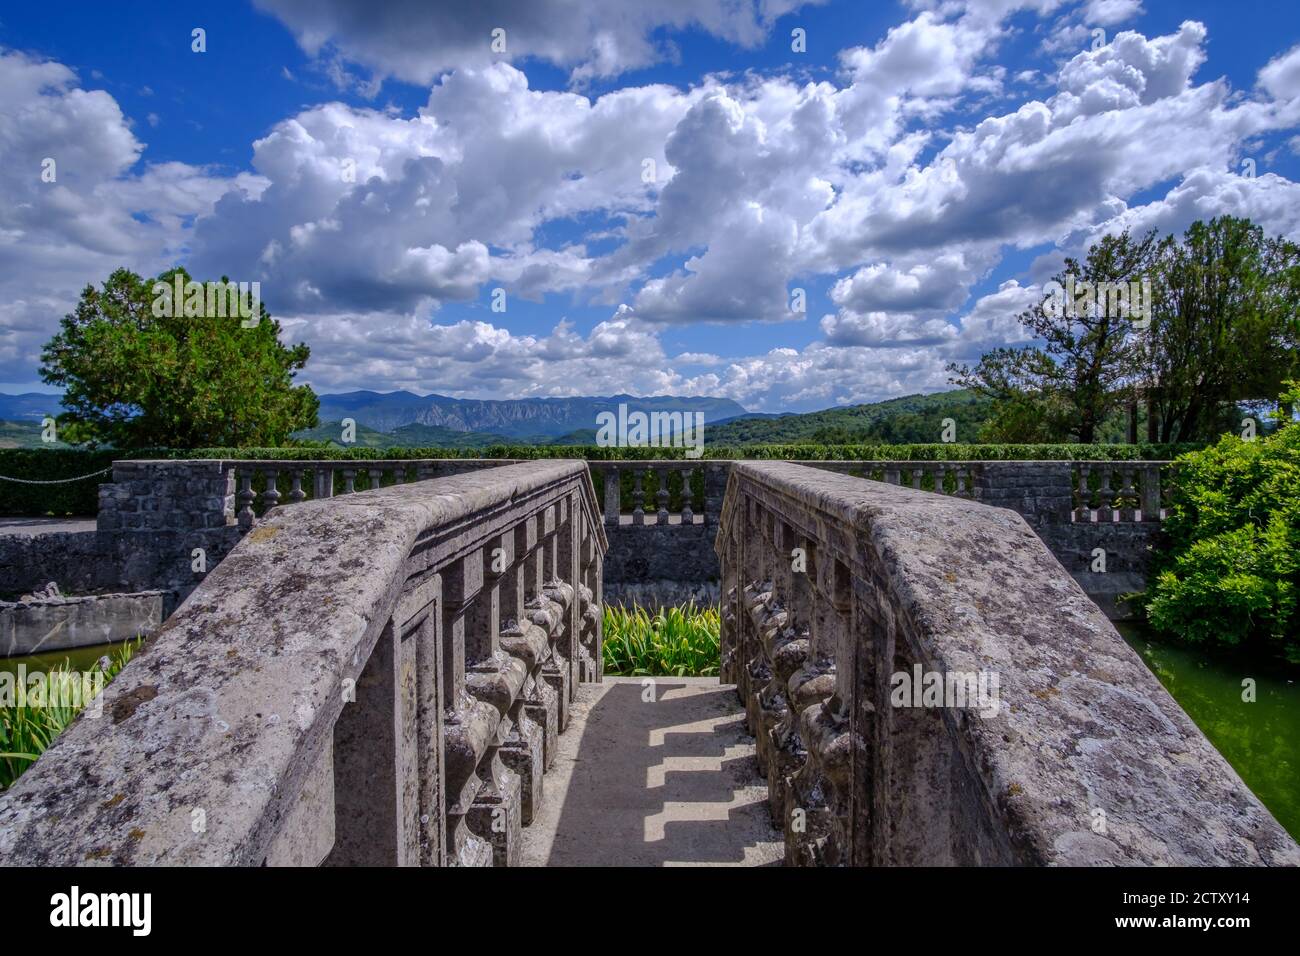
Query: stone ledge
x=1082 y=724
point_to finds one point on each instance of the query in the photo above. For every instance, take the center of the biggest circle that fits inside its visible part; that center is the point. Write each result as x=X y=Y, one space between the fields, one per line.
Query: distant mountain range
x=389 y=419
x=29 y=406
x=403 y=419
x=527 y=419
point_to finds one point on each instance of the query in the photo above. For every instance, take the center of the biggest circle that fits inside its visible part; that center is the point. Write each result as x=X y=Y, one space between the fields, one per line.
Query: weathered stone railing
x=662 y=492
x=1045 y=492
x=372 y=679
x=163 y=523
x=839 y=593
x=945 y=477
x=1124 y=491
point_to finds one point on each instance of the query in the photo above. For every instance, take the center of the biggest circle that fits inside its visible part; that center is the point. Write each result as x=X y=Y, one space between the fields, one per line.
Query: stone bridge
x=409 y=673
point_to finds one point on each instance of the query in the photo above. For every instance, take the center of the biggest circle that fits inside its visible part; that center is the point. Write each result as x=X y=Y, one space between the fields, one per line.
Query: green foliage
x=1067 y=387
x=49 y=464
x=1225 y=325
x=912 y=418
x=677 y=642
x=134 y=378
x=26 y=731
x=1231 y=572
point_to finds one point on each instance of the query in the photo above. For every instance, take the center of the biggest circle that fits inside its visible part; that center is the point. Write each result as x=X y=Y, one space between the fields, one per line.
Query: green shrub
x=1231 y=568
x=677 y=642
x=48 y=464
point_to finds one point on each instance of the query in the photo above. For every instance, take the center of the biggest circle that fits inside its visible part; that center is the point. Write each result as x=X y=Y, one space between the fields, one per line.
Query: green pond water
x=1262 y=739
x=80 y=658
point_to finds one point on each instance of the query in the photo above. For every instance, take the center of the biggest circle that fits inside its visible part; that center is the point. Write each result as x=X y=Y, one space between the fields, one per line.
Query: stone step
x=654 y=776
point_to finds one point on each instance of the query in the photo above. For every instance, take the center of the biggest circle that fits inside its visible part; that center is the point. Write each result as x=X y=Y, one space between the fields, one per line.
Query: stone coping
x=1082 y=724
x=223 y=715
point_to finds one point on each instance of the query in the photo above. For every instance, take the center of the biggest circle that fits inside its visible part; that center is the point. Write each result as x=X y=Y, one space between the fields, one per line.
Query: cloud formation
x=895 y=191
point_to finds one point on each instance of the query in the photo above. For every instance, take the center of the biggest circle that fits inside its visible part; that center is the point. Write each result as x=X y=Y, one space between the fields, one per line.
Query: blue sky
x=917 y=171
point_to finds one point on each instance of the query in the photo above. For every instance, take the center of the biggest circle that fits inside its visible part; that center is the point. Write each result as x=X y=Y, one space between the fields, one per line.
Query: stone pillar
x=376 y=763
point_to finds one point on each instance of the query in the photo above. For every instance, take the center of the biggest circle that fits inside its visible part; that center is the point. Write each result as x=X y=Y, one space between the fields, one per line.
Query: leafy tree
x=1231 y=572
x=135 y=378
x=1066 y=388
x=1225 y=326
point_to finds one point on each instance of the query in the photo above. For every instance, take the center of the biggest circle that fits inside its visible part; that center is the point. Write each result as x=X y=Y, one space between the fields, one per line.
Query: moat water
x=1261 y=739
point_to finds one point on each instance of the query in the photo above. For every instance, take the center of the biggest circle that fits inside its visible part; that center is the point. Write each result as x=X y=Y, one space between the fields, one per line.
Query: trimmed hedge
x=802 y=452
x=81 y=498
x=50 y=464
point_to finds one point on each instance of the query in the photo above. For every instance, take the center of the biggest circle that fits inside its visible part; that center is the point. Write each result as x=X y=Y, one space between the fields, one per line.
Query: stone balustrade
x=1048 y=740
x=667 y=492
x=1117 y=491
x=163 y=523
x=376 y=678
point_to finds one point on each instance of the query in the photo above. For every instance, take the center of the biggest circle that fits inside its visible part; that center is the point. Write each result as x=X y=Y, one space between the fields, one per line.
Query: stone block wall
x=1041 y=491
x=62 y=623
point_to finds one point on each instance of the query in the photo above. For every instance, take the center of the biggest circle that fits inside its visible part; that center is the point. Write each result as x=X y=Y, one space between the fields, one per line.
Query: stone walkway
x=29 y=527
x=665 y=783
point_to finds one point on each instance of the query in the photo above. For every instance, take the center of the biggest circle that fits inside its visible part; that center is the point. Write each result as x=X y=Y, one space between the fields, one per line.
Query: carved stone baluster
x=638 y=496
x=661 y=495
x=1083 y=512
x=613 y=494
x=523 y=649
x=1106 y=496
x=246 y=498
x=688 y=514
x=296 y=493
x=468 y=723
x=493 y=678
x=824 y=788
x=961 y=481
x=1151 y=493
x=917 y=474
x=591 y=664
x=271 y=496
x=376 y=476
x=810 y=686
x=892 y=474
x=349 y=480
x=1127 y=494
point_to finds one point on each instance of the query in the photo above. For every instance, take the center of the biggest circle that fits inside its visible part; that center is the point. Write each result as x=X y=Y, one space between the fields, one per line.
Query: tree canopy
x=1218 y=323
x=141 y=367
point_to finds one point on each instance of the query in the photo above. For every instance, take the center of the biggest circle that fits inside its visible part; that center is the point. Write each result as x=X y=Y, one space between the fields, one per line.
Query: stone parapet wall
x=372 y=679
x=155 y=514
x=839 y=594
x=62 y=623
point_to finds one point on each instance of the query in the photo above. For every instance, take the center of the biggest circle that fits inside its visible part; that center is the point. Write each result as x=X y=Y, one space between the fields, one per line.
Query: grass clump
x=676 y=642
x=29 y=726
